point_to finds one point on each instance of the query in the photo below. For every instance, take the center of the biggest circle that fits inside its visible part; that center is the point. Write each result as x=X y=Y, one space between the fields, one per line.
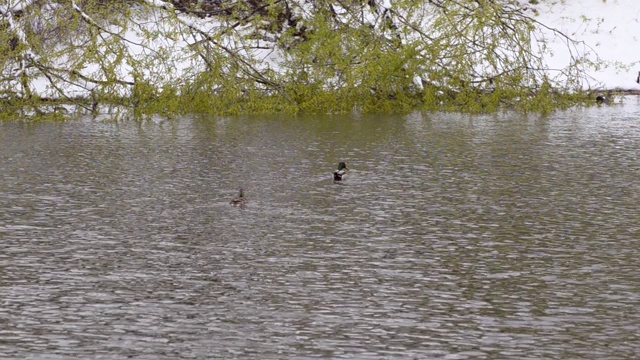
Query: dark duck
x=338 y=175
x=239 y=200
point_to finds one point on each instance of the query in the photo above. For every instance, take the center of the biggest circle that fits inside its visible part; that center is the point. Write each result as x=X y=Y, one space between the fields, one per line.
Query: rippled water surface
x=453 y=237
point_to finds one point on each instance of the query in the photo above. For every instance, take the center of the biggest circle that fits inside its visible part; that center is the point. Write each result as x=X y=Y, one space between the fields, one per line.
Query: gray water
x=453 y=237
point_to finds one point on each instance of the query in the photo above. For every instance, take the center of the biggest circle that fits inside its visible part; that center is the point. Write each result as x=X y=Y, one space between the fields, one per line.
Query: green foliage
x=281 y=56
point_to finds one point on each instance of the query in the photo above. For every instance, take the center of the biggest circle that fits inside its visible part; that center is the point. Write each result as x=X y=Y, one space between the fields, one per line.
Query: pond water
x=453 y=237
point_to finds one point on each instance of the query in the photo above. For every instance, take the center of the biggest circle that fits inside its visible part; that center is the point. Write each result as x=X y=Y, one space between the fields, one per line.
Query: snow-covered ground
x=610 y=27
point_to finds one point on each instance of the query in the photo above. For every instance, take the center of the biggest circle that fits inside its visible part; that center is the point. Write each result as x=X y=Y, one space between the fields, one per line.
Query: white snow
x=610 y=27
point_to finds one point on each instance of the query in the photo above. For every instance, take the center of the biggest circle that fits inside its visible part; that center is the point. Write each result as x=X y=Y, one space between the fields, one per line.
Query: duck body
x=239 y=200
x=600 y=99
x=338 y=175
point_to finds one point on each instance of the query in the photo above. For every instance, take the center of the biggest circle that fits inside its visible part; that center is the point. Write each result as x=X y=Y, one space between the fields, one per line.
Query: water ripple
x=453 y=237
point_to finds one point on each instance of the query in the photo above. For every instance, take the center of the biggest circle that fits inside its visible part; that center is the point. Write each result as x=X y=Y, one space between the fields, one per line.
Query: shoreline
x=623 y=91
